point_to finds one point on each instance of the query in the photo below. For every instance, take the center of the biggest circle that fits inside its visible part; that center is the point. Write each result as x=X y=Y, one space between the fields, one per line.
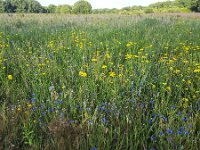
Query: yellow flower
x=29 y=105
x=196 y=70
x=18 y=109
x=177 y=71
x=185 y=99
x=104 y=67
x=43 y=74
x=168 y=88
x=128 y=56
x=94 y=60
x=10 y=77
x=120 y=66
x=112 y=74
x=120 y=75
x=83 y=74
x=129 y=44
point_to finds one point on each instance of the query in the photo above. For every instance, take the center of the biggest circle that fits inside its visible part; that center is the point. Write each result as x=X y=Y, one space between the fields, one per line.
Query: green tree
x=51 y=8
x=64 y=9
x=20 y=5
x=184 y=3
x=2 y=6
x=9 y=7
x=195 y=5
x=34 y=7
x=82 y=7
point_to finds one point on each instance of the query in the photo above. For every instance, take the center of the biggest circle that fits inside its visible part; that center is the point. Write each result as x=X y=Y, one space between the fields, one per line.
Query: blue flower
x=61 y=101
x=104 y=120
x=169 y=131
x=170 y=139
x=180 y=132
x=153 y=138
x=94 y=148
x=187 y=132
x=181 y=129
x=102 y=108
x=184 y=119
x=161 y=133
x=88 y=109
x=33 y=100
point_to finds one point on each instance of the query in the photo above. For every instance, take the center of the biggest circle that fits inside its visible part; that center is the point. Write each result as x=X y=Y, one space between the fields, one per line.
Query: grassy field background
x=99 y=81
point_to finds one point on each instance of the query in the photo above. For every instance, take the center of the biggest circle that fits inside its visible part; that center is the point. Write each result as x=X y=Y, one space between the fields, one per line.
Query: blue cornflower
x=161 y=133
x=102 y=108
x=50 y=110
x=94 y=148
x=165 y=118
x=33 y=100
x=169 y=131
x=185 y=119
x=187 y=132
x=181 y=129
x=180 y=132
x=104 y=120
x=71 y=121
x=150 y=122
x=173 y=107
x=88 y=109
x=170 y=139
x=61 y=101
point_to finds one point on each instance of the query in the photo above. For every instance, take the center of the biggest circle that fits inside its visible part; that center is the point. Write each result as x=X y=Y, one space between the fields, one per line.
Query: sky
x=102 y=3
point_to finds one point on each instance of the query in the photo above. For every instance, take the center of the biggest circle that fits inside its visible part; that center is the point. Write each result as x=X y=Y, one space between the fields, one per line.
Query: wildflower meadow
x=99 y=82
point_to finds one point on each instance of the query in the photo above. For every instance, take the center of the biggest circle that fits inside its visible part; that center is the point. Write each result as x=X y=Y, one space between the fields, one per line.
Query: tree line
x=84 y=7
x=33 y=6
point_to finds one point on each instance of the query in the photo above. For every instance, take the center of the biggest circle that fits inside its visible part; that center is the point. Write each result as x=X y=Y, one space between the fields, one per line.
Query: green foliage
x=82 y=7
x=64 y=9
x=22 y=6
x=195 y=5
x=148 y=10
x=1 y=6
x=51 y=8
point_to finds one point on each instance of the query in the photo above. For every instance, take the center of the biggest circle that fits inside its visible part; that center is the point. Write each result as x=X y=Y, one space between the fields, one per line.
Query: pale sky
x=102 y=3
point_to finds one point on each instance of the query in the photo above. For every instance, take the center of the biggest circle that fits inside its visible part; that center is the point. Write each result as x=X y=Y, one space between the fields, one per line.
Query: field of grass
x=99 y=82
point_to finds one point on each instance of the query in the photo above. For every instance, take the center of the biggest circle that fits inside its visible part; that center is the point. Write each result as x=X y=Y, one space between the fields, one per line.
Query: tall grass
x=99 y=82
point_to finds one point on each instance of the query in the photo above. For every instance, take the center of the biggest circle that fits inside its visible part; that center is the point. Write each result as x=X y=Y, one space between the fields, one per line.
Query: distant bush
x=149 y=10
